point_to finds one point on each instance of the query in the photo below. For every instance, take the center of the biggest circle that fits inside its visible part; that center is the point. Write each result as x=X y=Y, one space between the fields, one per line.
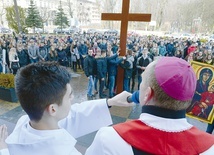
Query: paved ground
x=11 y=112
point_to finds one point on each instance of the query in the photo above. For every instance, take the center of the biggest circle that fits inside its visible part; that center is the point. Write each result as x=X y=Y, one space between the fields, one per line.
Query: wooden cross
x=124 y=17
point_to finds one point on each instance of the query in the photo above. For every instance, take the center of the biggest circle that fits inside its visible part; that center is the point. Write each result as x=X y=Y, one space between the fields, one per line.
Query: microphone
x=134 y=97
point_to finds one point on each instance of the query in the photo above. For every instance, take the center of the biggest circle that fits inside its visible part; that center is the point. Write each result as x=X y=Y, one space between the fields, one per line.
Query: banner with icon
x=201 y=107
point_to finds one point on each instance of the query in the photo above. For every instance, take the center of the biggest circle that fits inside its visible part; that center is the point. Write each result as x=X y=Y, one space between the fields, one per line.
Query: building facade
x=83 y=12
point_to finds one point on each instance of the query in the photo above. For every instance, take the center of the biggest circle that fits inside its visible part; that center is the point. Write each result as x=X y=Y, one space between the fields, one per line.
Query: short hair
x=129 y=52
x=103 y=51
x=40 y=84
x=161 y=99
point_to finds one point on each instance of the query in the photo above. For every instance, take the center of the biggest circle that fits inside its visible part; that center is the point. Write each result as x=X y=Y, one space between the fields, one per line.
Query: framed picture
x=201 y=107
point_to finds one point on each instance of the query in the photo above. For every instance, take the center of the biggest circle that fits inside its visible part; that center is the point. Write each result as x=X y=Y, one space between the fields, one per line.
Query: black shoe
x=90 y=97
x=103 y=96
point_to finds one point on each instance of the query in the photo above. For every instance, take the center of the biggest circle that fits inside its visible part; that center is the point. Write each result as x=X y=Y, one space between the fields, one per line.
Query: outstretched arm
x=90 y=116
x=3 y=136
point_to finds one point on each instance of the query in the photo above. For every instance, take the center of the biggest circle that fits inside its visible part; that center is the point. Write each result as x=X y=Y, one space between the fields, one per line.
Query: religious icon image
x=201 y=107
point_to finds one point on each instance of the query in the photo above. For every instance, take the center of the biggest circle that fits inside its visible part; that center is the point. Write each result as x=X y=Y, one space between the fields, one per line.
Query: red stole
x=154 y=141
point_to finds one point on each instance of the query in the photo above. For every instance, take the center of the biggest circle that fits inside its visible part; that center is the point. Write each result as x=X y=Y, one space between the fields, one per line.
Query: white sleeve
x=107 y=142
x=86 y=117
x=97 y=146
x=210 y=151
x=4 y=152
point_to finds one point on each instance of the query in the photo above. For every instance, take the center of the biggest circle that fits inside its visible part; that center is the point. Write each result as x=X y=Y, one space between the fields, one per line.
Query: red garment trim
x=154 y=141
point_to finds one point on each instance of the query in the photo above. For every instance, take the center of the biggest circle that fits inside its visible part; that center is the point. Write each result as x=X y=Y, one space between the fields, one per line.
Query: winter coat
x=162 y=50
x=23 y=58
x=142 y=62
x=89 y=66
x=43 y=53
x=112 y=66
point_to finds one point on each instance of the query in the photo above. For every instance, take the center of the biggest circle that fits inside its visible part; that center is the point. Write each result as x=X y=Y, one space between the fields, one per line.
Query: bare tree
x=83 y=14
x=70 y=10
x=162 y=8
x=2 y=11
x=177 y=15
x=110 y=6
x=45 y=15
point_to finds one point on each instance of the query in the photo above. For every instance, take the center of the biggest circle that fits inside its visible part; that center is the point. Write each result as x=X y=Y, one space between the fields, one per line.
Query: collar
x=162 y=112
x=164 y=119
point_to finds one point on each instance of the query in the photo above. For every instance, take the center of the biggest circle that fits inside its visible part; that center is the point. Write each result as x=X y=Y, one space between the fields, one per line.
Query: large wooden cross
x=124 y=17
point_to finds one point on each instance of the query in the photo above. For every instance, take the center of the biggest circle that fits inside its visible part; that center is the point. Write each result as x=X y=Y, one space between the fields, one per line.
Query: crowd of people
x=98 y=55
x=52 y=123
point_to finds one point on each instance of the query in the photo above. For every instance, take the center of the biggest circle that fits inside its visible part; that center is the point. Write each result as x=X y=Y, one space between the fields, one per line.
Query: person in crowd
x=95 y=48
x=199 y=57
x=43 y=52
x=68 y=52
x=101 y=72
x=33 y=51
x=178 y=53
x=191 y=48
x=134 y=72
x=170 y=48
x=23 y=56
x=52 y=54
x=162 y=49
x=82 y=52
x=205 y=53
x=101 y=66
x=209 y=59
x=5 y=47
x=62 y=56
x=162 y=127
x=75 y=57
x=210 y=128
x=187 y=44
x=127 y=65
x=52 y=123
x=114 y=47
x=103 y=45
x=90 y=72
x=142 y=63
x=14 y=60
x=112 y=66
x=190 y=57
x=154 y=50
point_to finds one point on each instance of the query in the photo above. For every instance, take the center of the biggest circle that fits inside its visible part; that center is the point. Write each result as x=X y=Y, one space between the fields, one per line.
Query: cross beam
x=124 y=17
x=131 y=17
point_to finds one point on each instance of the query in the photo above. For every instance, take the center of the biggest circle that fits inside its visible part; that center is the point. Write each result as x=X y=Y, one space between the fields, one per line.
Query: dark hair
x=208 y=71
x=39 y=85
x=129 y=52
x=103 y=51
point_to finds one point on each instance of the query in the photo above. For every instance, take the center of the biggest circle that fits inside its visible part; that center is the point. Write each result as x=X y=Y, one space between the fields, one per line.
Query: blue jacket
x=162 y=50
x=102 y=65
x=127 y=70
x=62 y=56
x=23 y=57
x=103 y=46
x=170 y=49
x=142 y=62
x=112 y=66
x=90 y=66
x=114 y=48
x=83 y=49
